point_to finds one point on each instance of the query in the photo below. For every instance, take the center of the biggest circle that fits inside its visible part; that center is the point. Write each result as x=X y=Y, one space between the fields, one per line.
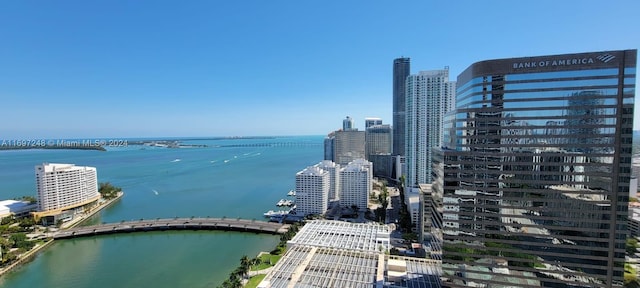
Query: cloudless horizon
x=135 y=69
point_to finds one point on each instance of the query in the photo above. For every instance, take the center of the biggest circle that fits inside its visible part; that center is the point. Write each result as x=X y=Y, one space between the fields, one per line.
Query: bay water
x=229 y=178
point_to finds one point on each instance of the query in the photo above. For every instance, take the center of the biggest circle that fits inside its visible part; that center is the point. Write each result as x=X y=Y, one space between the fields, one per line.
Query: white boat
x=287 y=203
x=291 y=193
x=282 y=202
x=275 y=213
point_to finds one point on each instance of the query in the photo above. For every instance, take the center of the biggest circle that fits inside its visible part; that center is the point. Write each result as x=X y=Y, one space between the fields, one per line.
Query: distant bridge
x=226 y=224
x=273 y=144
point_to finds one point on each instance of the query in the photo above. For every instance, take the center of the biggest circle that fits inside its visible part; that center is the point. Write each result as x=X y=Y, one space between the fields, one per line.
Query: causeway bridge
x=194 y=223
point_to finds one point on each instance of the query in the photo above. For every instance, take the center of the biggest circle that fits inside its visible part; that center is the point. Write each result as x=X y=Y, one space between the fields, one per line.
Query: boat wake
x=154 y=191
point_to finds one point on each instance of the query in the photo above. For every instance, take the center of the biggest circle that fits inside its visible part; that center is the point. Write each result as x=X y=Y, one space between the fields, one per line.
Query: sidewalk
x=79 y=219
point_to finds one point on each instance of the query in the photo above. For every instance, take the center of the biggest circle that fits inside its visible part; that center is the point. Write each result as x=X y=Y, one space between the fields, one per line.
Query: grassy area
x=255 y=280
x=265 y=259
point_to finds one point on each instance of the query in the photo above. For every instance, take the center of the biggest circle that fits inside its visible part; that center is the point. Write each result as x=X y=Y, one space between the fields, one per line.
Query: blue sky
x=235 y=68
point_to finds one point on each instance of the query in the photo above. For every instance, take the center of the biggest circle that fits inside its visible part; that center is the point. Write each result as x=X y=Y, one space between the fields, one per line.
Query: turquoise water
x=158 y=182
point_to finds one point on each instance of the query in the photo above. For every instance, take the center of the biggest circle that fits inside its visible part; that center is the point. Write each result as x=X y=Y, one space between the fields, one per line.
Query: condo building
x=401 y=69
x=356 y=183
x=312 y=191
x=429 y=95
x=535 y=170
x=64 y=188
x=334 y=178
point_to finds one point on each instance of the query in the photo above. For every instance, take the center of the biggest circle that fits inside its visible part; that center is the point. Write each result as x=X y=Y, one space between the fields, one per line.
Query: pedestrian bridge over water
x=226 y=224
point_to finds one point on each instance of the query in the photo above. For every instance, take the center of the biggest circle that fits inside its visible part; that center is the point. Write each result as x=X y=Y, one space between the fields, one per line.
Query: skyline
x=155 y=69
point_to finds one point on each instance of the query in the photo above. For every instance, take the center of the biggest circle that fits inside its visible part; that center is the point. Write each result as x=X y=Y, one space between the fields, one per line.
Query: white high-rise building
x=64 y=186
x=334 y=178
x=429 y=94
x=312 y=191
x=356 y=184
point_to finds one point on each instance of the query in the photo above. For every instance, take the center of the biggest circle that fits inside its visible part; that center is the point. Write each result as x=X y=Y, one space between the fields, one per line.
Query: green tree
x=632 y=245
x=245 y=264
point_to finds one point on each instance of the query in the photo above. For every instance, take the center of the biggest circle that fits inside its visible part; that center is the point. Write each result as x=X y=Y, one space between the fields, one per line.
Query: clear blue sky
x=225 y=68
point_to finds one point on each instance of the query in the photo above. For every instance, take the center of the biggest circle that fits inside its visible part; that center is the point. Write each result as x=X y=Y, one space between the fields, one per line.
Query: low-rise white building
x=328 y=253
x=16 y=208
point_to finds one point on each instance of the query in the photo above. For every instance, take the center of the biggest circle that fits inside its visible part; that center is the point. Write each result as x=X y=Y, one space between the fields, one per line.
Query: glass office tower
x=535 y=170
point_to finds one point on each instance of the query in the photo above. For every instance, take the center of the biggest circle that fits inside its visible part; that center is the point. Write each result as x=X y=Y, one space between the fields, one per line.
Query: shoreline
x=92 y=212
x=31 y=254
x=14 y=147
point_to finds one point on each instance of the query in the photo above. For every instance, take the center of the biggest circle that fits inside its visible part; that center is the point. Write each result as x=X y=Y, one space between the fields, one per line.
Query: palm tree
x=245 y=264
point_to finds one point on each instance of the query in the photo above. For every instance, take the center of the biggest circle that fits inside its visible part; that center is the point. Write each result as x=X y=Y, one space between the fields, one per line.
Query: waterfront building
x=429 y=95
x=327 y=253
x=372 y=121
x=348 y=146
x=334 y=178
x=347 y=124
x=64 y=190
x=312 y=191
x=536 y=163
x=401 y=69
x=356 y=183
x=16 y=208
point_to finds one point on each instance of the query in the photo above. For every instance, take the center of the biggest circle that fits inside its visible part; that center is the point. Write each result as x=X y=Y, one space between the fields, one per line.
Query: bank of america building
x=534 y=172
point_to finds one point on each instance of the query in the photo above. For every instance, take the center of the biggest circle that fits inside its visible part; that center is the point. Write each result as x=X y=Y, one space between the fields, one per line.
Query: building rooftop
x=50 y=167
x=344 y=235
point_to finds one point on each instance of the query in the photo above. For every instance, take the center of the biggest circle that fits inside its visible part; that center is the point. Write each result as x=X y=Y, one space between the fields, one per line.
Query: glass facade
x=535 y=170
x=401 y=69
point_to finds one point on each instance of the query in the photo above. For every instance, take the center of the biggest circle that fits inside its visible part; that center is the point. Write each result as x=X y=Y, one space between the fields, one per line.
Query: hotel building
x=356 y=183
x=312 y=191
x=429 y=95
x=535 y=172
x=64 y=188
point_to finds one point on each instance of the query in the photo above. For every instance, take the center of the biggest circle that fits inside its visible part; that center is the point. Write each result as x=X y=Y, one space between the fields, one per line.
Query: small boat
x=271 y=213
x=291 y=193
x=281 y=202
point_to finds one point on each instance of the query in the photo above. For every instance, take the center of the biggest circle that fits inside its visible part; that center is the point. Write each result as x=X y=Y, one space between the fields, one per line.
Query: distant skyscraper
x=347 y=124
x=348 y=146
x=535 y=177
x=371 y=121
x=356 y=183
x=378 y=140
x=329 y=145
x=401 y=69
x=312 y=191
x=429 y=95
